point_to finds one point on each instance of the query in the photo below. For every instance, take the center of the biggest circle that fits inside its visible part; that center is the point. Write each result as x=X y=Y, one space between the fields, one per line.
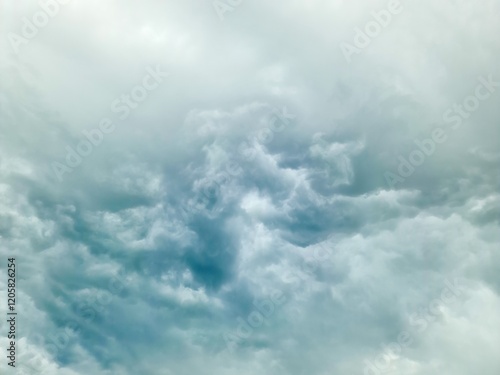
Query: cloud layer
x=237 y=217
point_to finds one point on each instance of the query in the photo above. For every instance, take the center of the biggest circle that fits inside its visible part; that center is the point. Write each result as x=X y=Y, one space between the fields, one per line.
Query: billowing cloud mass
x=251 y=187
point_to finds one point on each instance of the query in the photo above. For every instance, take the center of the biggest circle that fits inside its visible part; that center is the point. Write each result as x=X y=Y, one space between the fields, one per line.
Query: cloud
x=257 y=167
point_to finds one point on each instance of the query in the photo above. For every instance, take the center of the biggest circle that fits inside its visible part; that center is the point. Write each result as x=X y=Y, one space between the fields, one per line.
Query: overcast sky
x=287 y=187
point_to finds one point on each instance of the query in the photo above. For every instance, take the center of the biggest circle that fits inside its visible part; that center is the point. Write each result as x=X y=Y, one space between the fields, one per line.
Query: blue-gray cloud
x=239 y=219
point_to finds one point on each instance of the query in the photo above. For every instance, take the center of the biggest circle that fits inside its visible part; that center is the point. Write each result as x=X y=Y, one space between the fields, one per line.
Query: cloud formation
x=238 y=218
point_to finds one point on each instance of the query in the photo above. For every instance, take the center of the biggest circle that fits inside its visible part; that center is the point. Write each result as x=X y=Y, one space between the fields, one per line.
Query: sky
x=251 y=187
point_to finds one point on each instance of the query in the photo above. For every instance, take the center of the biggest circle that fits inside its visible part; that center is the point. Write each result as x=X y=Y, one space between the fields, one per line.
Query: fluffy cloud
x=238 y=220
